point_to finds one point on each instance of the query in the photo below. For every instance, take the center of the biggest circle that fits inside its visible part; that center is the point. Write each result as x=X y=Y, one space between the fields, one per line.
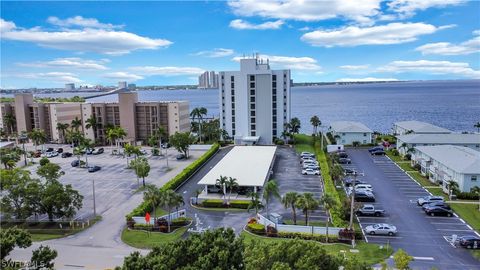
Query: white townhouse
x=347 y=132
x=443 y=163
x=417 y=127
x=471 y=141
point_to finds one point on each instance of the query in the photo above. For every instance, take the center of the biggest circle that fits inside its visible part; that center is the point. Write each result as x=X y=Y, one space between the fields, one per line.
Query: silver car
x=382 y=228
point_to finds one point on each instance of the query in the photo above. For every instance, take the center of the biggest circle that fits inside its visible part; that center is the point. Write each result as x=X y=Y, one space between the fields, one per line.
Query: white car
x=310 y=172
x=365 y=187
x=306 y=154
x=312 y=166
x=382 y=228
x=50 y=154
x=306 y=165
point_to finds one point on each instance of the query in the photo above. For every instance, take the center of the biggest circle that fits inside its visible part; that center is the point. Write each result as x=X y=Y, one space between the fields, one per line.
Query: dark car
x=376 y=148
x=181 y=157
x=90 y=151
x=439 y=203
x=49 y=150
x=75 y=163
x=92 y=169
x=364 y=196
x=342 y=155
x=344 y=161
x=438 y=211
x=469 y=241
x=98 y=151
x=60 y=150
x=349 y=182
x=66 y=154
x=349 y=171
x=378 y=153
x=37 y=154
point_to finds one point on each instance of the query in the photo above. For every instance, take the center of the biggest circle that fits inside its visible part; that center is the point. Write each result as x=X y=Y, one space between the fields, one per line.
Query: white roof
x=349 y=126
x=451 y=138
x=6 y=144
x=421 y=127
x=458 y=158
x=250 y=165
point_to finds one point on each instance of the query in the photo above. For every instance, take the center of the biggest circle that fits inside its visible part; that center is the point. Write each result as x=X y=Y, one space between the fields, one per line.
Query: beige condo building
x=138 y=119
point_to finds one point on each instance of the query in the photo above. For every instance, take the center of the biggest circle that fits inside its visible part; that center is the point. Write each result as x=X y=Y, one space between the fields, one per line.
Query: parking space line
x=448 y=223
x=453 y=230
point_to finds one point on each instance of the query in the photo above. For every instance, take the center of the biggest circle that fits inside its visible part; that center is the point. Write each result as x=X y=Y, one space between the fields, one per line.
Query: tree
x=57 y=200
x=222 y=182
x=255 y=202
x=198 y=113
x=170 y=199
x=21 y=193
x=62 y=127
x=214 y=249
x=42 y=258
x=289 y=200
x=452 y=186
x=476 y=190
x=128 y=150
x=307 y=203
x=76 y=124
x=270 y=190
x=74 y=137
x=231 y=184
x=9 y=158
x=86 y=144
x=402 y=259
x=477 y=125
x=11 y=238
x=153 y=196
x=328 y=202
x=38 y=136
x=182 y=141
x=315 y=121
x=142 y=168
x=294 y=127
x=50 y=172
x=92 y=123
x=9 y=121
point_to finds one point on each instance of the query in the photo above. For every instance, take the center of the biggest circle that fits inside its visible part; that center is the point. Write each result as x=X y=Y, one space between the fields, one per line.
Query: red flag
x=147 y=218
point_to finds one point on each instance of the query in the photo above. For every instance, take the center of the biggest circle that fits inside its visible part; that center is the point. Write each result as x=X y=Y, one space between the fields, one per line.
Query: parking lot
x=287 y=171
x=114 y=183
x=424 y=237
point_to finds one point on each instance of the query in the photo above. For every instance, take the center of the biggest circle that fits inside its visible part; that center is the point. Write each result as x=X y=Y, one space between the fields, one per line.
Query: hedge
x=309 y=236
x=218 y=203
x=175 y=182
x=256 y=228
x=467 y=195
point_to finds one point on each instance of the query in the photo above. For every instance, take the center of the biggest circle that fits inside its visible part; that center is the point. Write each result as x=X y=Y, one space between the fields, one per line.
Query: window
x=233 y=99
x=274 y=133
x=343 y=134
x=252 y=99
x=233 y=125
x=233 y=118
x=252 y=127
x=233 y=132
x=233 y=92
x=253 y=133
x=252 y=113
x=232 y=78
x=252 y=77
x=274 y=77
x=252 y=120
x=252 y=85
x=473 y=178
x=252 y=106
x=252 y=92
x=364 y=134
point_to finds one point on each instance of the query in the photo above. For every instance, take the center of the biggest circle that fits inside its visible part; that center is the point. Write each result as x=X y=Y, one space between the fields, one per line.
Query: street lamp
x=94 y=206
x=23 y=137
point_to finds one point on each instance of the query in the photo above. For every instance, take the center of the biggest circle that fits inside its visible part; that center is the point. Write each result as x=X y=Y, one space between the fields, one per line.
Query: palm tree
x=38 y=136
x=160 y=134
x=9 y=121
x=77 y=151
x=87 y=144
x=142 y=168
x=231 y=184
x=91 y=122
x=285 y=134
x=62 y=127
x=476 y=190
x=128 y=151
x=197 y=113
x=270 y=190
x=315 y=121
x=255 y=202
x=76 y=123
x=477 y=125
x=222 y=181
x=452 y=186
x=290 y=200
x=121 y=133
x=307 y=203
x=152 y=195
x=328 y=202
x=295 y=126
x=111 y=135
x=170 y=199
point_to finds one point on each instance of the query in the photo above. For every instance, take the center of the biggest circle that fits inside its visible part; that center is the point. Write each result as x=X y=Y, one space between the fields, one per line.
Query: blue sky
x=48 y=44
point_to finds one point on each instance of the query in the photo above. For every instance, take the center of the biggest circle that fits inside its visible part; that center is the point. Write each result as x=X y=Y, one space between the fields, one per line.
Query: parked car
x=214 y=189
x=50 y=154
x=310 y=172
x=376 y=148
x=144 y=152
x=95 y=168
x=344 y=161
x=429 y=199
x=75 y=163
x=307 y=154
x=303 y=159
x=306 y=165
x=60 y=150
x=382 y=228
x=438 y=203
x=349 y=171
x=438 y=211
x=312 y=166
x=364 y=196
x=66 y=154
x=365 y=187
x=181 y=157
x=469 y=241
x=49 y=150
x=165 y=145
x=342 y=155
x=89 y=151
x=349 y=182
x=37 y=154
x=98 y=151
x=378 y=153
x=370 y=210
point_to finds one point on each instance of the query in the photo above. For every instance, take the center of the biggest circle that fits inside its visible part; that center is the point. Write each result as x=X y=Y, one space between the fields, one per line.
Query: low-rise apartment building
x=138 y=119
x=443 y=163
x=417 y=127
x=405 y=142
x=347 y=132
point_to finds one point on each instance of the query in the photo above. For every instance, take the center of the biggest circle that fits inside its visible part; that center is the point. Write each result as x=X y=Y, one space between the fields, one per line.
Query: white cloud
x=408 y=8
x=83 y=40
x=6 y=26
x=476 y=32
x=79 y=21
x=122 y=76
x=244 y=25
x=392 y=33
x=360 y=11
x=289 y=62
x=167 y=71
x=432 y=67
x=354 y=67
x=58 y=77
x=367 y=79
x=217 y=52
x=73 y=62
x=447 y=48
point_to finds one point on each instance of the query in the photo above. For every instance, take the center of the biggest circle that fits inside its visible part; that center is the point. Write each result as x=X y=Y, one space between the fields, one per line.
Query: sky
x=48 y=44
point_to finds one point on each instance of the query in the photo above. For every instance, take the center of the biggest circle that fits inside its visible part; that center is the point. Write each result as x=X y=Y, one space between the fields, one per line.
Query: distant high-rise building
x=69 y=86
x=122 y=85
x=209 y=79
x=254 y=102
x=132 y=86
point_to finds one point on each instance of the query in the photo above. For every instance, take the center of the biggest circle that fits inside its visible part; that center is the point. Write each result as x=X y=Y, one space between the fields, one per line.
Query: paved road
x=100 y=247
x=422 y=236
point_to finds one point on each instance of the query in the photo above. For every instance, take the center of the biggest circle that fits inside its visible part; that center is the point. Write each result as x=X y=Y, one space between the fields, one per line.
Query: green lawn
x=469 y=212
x=301 y=221
x=37 y=237
x=142 y=239
x=405 y=166
x=304 y=143
x=394 y=158
x=422 y=180
x=368 y=253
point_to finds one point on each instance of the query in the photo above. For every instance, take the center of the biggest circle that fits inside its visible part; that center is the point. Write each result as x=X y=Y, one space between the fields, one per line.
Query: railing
x=333 y=231
x=173 y=215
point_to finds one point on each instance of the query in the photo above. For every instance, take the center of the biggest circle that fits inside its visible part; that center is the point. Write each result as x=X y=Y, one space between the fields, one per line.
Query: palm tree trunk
x=294 y=215
x=306 y=218
x=154 y=215
x=143 y=179
x=169 y=217
x=328 y=221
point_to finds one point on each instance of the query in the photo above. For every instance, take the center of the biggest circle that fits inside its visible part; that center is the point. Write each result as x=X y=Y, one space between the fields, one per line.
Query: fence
x=333 y=231
x=173 y=215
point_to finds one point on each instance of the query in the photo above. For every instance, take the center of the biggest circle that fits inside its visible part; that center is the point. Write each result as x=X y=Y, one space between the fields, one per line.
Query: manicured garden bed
x=143 y=239
x=219 y=203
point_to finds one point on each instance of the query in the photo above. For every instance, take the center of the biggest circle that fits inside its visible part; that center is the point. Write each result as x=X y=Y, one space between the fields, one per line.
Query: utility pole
x=352 y=200
x=94 y=205
x=23 y=137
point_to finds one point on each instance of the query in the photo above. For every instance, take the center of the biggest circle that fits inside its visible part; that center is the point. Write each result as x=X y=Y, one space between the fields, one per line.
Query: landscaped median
x=221 y=204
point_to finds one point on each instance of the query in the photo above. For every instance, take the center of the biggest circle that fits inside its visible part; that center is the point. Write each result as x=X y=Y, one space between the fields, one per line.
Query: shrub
x=181 y=221
x=279 y=142
x=355 y=143
x=256 y=228
x=467 y=195
x=308 y=236
x=155 y=151
x=213 y=203
x=417 y=167
x=408 y=156
x=272 y=231
x=395 y=152
x=44 y=161
x=239 y=204
x=146 y=227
